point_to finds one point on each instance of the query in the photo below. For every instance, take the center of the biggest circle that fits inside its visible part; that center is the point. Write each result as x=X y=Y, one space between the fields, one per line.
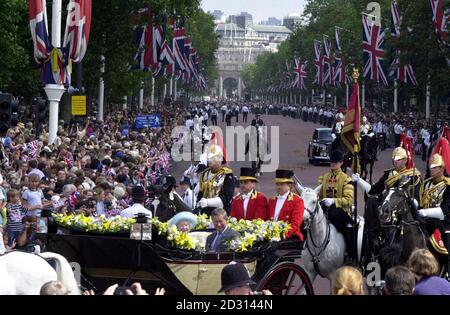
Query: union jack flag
x=178 y=39
x=39 y=30
x=163 y=51
x=403 y=73
x=149 y=57
x=318 y=63
x=33 y=149
x=54 y=61
x=340 y=69
x=300 y=74
x=190 y=71
x=194 y=62
x=440 y=20
x=373 y=53
x=78 y=27
x=328 y=62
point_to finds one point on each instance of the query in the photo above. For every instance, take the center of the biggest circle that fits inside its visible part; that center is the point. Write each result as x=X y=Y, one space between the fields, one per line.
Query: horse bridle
x=393 y=210
x=401 y=223
x=321 y=247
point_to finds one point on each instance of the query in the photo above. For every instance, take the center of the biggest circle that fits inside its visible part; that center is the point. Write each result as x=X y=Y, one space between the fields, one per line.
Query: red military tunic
x=291 y=212
x=256 y=208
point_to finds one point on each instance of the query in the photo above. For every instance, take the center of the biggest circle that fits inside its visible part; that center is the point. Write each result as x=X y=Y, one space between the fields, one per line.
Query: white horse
x=324 y=250
x=24 y=273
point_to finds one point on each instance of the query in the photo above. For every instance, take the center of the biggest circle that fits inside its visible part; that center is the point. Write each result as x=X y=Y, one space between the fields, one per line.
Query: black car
x=319 y=147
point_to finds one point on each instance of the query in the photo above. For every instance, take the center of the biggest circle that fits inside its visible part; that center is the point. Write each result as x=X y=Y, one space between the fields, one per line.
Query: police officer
x=336 y=194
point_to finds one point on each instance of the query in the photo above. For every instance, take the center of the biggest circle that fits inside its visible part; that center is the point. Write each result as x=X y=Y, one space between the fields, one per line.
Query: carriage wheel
x=287 y=278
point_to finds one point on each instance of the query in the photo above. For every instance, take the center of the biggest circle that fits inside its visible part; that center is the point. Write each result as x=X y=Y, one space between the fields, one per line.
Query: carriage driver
x=216 y=182
x=435 y=203
x=336 y=194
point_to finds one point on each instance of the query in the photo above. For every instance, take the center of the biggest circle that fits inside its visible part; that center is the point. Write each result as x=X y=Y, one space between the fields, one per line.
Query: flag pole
x=355 y=76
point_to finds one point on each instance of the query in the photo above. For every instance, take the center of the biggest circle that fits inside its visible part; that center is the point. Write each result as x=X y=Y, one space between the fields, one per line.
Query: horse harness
x=321 y=247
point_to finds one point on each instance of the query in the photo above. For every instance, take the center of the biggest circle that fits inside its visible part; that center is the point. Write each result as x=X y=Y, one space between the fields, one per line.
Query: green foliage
x=18 y=73
x=320 y=18
x=111 y=36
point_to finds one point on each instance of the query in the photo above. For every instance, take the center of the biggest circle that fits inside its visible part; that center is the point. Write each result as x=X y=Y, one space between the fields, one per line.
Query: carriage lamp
x=141 y=229
x=43 y=220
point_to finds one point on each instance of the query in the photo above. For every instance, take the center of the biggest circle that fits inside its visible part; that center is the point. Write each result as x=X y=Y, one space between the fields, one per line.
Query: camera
x=123 y=290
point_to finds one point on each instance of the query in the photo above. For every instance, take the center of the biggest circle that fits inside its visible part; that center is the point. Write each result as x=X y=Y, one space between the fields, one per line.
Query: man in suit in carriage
x=249 y=204
x=219 y=240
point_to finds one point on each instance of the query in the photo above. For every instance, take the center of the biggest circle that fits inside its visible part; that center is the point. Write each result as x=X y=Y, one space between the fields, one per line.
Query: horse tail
x=64 y=272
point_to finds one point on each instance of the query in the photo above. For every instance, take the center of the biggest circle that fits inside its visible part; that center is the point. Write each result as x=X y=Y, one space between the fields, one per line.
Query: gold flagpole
x=355 y=76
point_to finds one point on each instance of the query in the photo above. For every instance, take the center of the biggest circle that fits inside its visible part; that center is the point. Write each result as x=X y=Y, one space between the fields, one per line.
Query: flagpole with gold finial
x=356 y=148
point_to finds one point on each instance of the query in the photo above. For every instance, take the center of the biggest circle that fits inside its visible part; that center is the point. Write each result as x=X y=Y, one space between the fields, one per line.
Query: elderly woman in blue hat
x=184 y=221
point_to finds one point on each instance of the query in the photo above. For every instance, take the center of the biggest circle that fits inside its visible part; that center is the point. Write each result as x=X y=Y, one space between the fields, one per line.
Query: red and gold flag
x=351 y=129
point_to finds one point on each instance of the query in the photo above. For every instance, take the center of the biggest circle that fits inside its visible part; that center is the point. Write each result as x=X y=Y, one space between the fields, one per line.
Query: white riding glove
x=355 y=177
x=333 y=136
x=361 y=182
x=328 y=201
x=435 y=213
x=211 y=202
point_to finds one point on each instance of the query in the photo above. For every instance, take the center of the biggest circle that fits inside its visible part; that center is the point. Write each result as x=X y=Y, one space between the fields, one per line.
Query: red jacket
x=291 y=212
x=256 y=208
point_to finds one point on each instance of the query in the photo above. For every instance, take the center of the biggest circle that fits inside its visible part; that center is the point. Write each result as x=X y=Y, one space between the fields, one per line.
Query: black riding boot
x=350 y=243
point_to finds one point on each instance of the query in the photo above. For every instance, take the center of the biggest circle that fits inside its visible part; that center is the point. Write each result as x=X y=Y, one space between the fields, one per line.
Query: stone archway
x=230 y=87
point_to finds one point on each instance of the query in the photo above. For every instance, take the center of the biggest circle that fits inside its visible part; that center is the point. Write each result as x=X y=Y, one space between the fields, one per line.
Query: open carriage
x=105 y=260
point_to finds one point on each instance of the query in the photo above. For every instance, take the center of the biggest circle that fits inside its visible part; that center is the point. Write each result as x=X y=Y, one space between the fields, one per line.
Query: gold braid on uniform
x=406 y=172
x=430 y=196
x=206 y=186
x=342 y=192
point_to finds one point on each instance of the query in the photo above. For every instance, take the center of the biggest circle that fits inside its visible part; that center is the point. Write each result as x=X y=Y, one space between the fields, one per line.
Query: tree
x=19 y=75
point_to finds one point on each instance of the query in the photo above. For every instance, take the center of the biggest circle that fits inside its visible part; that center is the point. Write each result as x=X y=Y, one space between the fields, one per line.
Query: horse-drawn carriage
x=102 y=260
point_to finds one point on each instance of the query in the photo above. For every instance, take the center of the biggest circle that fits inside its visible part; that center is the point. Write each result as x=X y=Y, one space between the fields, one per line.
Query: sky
x=260 y=9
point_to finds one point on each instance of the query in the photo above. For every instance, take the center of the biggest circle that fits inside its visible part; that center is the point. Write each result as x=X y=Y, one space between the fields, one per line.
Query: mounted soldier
x=216 y=182
x=336 y=131
x=391 y=178
x=258 y=142
x=435 y=203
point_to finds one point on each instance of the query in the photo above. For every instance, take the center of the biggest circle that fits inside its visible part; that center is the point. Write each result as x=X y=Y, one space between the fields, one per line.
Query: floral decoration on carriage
x=253 y=234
